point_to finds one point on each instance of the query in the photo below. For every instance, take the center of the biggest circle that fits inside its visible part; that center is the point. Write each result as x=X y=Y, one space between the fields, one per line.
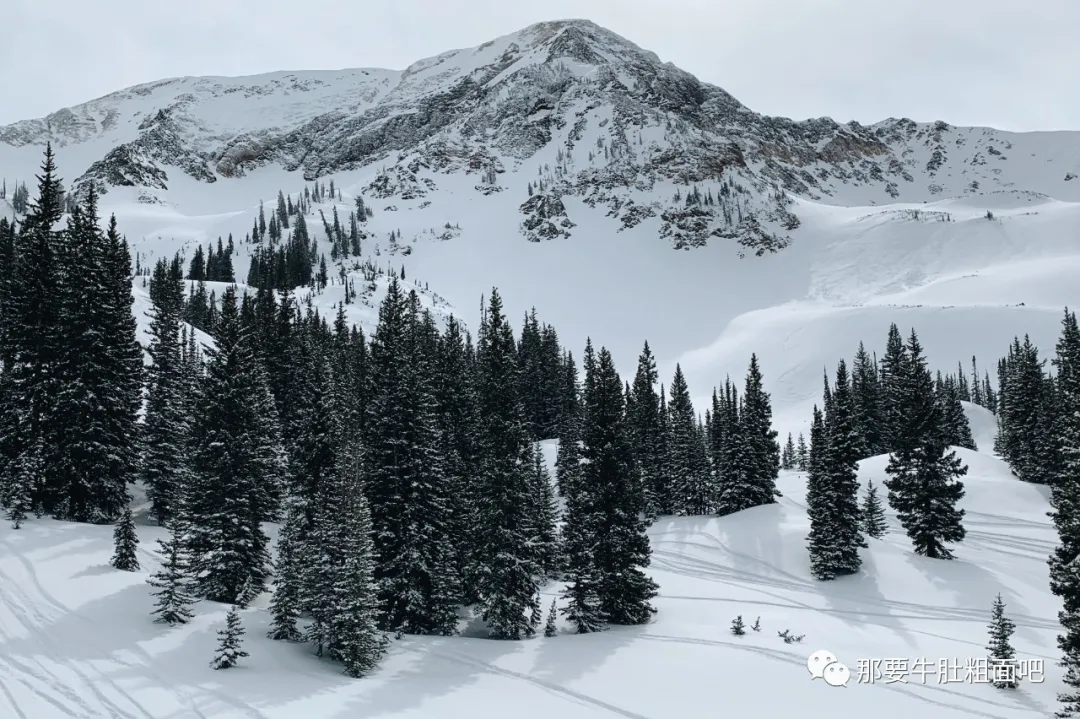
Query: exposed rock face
x=566 y=107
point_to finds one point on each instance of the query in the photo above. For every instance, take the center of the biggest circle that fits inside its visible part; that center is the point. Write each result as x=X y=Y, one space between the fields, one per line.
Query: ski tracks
x=551 y=688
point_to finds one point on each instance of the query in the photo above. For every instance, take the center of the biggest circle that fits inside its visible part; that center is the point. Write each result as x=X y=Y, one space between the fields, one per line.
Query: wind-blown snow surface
x=76 y=638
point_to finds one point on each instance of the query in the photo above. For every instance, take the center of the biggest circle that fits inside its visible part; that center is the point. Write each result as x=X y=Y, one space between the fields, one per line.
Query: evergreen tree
x=550 y=628
x=286 y=603
x=802 y=454
x=873 y=514
x=738 y=628
x=125 y=540
x=835 y=520
x=174 y=603
x=580 y=523
x=229 y=642
x=237 y=467
x=787 y=456
x=506 y=570
x=545 y=516
x=165 y=425
x=1002 y=655
x=695 y=492
x=891 y=379
x=644 y=425
x=866 y=403
x=924 y=474
x=406 y=486
x=622 y=546
x=31 y=352
x=762 y=452
x=1065 y=513
x=348 y=611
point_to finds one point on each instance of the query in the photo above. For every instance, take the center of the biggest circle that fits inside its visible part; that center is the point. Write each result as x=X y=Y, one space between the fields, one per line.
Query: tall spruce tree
x=761 y=450
x=544 y=517
x=892 y=379
x=695 y=491
x=622 y=548
x=32 y=349
x=1065 y=513
x=419 y=587
x=165 y=425
x=238 y=467
x=580 y=521
x=866 y=402
x=832 y=491
x=643 y=418
x=506 y=568
x=924 y=485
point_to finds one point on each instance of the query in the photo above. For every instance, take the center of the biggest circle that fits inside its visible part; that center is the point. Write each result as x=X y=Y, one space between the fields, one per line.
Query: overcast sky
x=1003 y=63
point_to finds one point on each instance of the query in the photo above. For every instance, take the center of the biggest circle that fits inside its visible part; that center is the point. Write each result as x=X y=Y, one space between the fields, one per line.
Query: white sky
x=1004 y=63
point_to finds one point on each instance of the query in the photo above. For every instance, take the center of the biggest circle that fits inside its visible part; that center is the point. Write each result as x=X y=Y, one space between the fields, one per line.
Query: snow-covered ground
x=77 y=640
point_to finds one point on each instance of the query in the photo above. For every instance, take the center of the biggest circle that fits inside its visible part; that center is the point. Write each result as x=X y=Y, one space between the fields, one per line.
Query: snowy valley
x=624 y=201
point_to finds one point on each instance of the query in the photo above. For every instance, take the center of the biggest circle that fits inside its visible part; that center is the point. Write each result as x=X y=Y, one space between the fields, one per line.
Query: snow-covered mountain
x=565 y=105
x=563 y=164
x=800 y=233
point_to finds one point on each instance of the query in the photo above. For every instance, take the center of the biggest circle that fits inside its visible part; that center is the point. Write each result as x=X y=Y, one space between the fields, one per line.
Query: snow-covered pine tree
x=645 y=428
x=787 y=455
x=738 y=628
x=457 y=434
x=954 y=421
x=173 y=601
x=419 y=586
x=1002 y=656
x=580 y=529
x=164 y=431
x=568 y=459
x=923 y=483
x=891 y=379
x=544 y=518
x=873 y=514
x=866 y=402
x=550 y=627
x=762 y=451
x=832 y=489
x=31 y=351
x=802 y=454
x=230 y=640
x=695 y=491
x=286 y=603
x=125 y=541
x=356 y=640
x=819 y=541
x=238 y=465
x=506 y=568
x=622 y=549
x=21 y=478
x=1065 y=513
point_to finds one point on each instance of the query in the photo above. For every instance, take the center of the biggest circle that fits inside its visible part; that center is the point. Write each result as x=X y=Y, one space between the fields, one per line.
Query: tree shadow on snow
x=420 y=669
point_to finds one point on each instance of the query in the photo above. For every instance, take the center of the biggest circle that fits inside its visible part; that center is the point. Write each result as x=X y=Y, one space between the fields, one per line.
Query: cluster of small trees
x=877 y=410
x=916 y=426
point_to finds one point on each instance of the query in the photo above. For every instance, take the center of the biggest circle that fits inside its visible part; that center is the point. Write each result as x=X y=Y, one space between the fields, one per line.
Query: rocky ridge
x=560 y=109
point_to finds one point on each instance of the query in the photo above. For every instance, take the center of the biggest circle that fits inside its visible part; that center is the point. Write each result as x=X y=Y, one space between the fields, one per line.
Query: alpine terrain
x=540 y=378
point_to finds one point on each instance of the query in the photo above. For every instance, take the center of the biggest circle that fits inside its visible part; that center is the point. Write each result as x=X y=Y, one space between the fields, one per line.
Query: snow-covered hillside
x=71 y=643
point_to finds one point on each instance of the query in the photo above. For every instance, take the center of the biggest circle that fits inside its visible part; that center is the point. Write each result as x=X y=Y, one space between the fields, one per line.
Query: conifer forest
x=402 y=470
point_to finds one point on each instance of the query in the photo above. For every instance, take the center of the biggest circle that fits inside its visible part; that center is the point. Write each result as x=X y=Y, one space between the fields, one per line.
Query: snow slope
x=76 y=639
